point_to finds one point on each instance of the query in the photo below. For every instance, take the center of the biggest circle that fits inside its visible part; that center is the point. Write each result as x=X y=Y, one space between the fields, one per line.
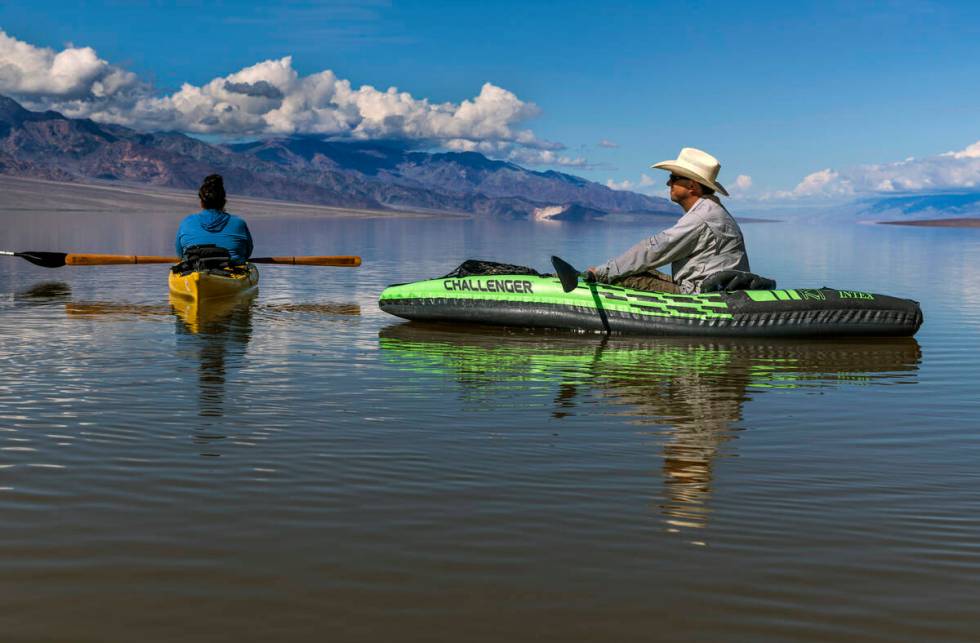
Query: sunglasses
x=675 y=178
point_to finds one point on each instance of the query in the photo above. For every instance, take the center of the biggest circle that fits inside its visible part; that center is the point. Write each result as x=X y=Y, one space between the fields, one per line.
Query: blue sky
x=841 y=92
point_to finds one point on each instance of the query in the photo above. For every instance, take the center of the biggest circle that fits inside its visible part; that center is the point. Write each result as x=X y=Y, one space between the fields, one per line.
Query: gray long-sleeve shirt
x=704 y=241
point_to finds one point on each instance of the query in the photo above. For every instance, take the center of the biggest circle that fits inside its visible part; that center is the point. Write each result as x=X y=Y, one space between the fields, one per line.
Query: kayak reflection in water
x=213 y=225
x=44 y=292
x=215 y=334
x=692 y=390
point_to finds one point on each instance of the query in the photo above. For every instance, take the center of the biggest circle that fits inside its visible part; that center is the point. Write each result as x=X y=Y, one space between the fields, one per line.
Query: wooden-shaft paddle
x=59 y=259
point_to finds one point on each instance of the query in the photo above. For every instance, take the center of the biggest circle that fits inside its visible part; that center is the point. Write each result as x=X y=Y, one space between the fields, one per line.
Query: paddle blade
x=45 y=259
x=342 y=261
x=567 y=274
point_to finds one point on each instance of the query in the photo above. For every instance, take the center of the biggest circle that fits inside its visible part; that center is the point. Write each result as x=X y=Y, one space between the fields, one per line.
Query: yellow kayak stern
x=215 y=284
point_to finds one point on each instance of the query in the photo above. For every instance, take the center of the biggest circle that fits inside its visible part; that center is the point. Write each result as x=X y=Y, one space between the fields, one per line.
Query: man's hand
x=589 y=275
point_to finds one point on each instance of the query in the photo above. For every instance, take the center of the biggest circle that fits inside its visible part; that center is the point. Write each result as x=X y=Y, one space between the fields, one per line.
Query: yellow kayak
x=215 y=284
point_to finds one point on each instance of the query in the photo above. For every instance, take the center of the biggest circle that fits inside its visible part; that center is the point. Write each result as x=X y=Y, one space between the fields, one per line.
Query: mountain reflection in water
x=693 y=389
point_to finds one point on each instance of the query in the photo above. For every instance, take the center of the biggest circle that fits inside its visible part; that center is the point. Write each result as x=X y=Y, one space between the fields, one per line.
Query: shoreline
x=25 y=194
x=964 y=222
x=21 y=194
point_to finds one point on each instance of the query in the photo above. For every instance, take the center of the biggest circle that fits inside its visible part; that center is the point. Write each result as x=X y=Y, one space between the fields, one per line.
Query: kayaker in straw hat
x=214 y=226
x=705 y=241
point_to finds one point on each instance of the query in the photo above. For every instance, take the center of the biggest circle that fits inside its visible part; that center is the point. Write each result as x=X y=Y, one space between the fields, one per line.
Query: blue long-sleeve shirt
x=219 y=228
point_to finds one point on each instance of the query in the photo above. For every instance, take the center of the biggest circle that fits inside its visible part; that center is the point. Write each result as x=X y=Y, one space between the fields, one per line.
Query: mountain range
x=924 y=207
x=374 y=175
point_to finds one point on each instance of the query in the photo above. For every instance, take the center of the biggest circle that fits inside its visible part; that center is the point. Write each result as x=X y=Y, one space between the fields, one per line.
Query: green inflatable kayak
x=540 y=301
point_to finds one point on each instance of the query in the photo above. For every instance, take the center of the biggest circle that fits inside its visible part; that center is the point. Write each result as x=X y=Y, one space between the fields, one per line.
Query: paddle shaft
x=104 y=260
x=343 y=261
x=111 y=260
x=58 y=259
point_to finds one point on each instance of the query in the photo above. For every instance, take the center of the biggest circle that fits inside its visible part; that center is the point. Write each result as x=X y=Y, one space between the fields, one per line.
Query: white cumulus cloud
x=529 y=156
x=646 y=184
x=948 y=171
x=969 y=152
x=272 y=98
x=740 y=187
x=73 y=73
x=625 y=184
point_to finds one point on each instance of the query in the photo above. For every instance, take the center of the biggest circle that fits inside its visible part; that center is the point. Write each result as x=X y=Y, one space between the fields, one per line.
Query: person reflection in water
x=692 y=391
x=698 y=396
x=216 y=338
x=697 y=392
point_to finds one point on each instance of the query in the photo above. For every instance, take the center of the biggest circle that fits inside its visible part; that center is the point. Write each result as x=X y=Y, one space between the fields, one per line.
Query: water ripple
x=303 y=456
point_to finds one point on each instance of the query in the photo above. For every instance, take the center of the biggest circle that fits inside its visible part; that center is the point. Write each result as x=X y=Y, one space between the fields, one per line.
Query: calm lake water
x=306 y=467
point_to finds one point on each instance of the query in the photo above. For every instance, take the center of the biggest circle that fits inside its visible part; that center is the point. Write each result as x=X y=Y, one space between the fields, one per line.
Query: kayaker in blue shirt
x=213 y=225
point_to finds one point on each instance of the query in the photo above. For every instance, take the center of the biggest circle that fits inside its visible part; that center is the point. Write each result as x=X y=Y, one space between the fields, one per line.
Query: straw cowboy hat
x=696 y=165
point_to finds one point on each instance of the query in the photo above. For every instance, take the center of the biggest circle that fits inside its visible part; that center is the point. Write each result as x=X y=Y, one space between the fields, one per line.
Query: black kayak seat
x=203 y=257
x=729 y=280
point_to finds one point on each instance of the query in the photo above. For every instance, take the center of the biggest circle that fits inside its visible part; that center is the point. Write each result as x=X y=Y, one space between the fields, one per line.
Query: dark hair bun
x=212 y=193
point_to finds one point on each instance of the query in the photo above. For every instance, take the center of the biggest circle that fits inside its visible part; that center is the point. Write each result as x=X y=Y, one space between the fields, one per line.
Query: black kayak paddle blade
x=45 y=259
x=567 y=273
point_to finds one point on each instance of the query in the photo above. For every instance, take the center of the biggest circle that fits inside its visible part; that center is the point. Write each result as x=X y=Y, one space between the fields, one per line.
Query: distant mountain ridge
x=925 y=206
x=377 y=175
